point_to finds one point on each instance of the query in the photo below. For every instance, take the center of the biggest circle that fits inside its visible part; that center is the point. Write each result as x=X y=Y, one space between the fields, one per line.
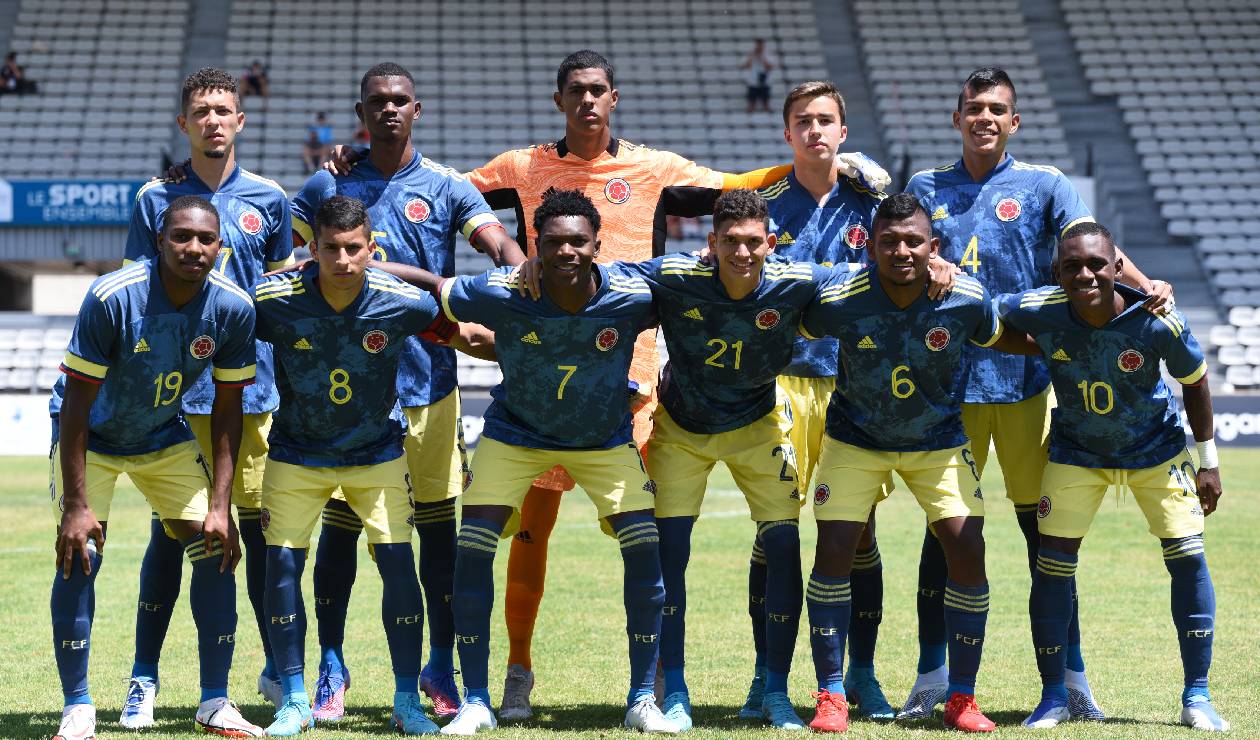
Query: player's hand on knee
x=941 y=277
x=341 y=159
x=78 y=525
x=1160 y=299
x=219 y=528
x=1208 y=482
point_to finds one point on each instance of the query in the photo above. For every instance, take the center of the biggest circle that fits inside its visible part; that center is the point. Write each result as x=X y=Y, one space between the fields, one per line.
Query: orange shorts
x=557 y=479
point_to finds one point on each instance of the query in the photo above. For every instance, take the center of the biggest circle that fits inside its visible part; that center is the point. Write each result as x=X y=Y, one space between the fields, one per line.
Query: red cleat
x=961 y=713
x=832 y=714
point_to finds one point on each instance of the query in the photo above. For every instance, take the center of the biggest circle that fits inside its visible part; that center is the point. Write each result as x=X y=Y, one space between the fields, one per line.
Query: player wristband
x=1207 y=455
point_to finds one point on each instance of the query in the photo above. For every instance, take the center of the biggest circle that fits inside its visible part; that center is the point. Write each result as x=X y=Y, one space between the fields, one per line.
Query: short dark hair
x=584 y=59
x=898 y=207
x=208 y=79
x=1088 y=228
x=342 y=213
x=987 y=78
x=738 y=205
x=565 y=203
x=188 y=203
x=385 y=69
x=809 y=91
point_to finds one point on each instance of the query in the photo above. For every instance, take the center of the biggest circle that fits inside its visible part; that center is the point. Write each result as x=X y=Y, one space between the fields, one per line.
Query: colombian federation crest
x=937 y=339
x=1043 y=507
x=767 y=319
x=375 y=341
x=617 y=191
x=821 y=494
x=416 y=210
x=606 y=339
x=1130 y=360
x=250 y=222
x=1008 y=209
x=855 y=236
x=202 y=347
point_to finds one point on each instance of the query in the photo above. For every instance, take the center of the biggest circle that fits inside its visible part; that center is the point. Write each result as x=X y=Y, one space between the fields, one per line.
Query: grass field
x=580 y=661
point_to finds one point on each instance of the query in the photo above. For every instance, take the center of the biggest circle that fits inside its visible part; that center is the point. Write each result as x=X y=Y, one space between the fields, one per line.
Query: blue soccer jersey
x=832 y=233
x=1114 y=410
x=336 y=371
x=256 y=233
x=416 y=215
x=565 y=380
x=902 y=369
x=145 y=353
x=725 y=354
x=1002 y=231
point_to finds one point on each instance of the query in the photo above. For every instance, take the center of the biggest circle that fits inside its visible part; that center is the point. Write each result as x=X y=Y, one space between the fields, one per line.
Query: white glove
x=863 y=169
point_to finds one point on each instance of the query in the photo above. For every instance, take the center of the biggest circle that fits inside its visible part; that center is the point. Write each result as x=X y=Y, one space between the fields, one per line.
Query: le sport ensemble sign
x=67 y=202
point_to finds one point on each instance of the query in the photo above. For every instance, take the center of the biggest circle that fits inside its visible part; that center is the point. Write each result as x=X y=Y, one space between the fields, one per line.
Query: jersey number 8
x=339 y=392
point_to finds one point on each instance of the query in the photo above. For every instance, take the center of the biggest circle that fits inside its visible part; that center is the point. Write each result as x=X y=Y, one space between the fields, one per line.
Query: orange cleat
x=832 y=714
x=961 y=713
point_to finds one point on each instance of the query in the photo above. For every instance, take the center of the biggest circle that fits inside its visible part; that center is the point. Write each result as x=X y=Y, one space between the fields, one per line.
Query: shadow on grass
x=371 y=721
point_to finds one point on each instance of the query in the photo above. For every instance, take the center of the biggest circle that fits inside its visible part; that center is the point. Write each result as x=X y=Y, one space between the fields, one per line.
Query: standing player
x=1118 y=424
x=143 y=333
x=417 y=207
x=998 y=219
x=256 y=239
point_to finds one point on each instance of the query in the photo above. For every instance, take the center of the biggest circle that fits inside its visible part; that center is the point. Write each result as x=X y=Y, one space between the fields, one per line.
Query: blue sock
x=286 y=617
x=675 y=533
x=931 y=604
x=867 y=579
x=757 y=602
x=330 y=662
x=402 y=609
x=293 y=686
x=830 y=603
x=1050 y=609
x=1075 y=659
x=966 y=612
x=212 y=598
x=644 y=594
x=249 y=522
x=435 y=523
x=472 y=602
x=784 y=592
x=336 y=564
x=1193 y=609
x=161 y=571
x=72 y=604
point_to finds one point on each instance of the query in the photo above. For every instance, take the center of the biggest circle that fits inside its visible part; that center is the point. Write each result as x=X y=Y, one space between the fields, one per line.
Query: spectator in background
x=13 y=78
x=758 y=63
x=318 y=144
x=254 y=81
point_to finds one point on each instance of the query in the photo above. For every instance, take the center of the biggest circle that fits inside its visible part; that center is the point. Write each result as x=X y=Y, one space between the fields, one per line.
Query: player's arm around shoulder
x=313 y=192
x=836 y=288
x=1017 y=336
x=972 y=299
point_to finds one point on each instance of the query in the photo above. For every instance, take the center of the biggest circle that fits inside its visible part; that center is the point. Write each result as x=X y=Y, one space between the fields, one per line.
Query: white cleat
x=472 y=716
x=271 y=689
x=78 y=722
x=516 y=689
x=1081 y=699
x=218 y=716
x=1049 y=713
x=645 y=716
x=929 y=690
x=137 y=711
x=1201 y=715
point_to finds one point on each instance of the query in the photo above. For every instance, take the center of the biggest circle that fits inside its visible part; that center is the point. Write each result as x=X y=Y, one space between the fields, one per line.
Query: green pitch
x=579 y=654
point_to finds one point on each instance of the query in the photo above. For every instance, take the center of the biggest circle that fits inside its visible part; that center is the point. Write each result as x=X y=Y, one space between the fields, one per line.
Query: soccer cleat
x=409 y=715
x=472 y=716
x=962 y=714
x=677 y=709
x=218 y=716
x=832 y=713
x=271 y=689
x=516 y=688
x=330 y=696
x=1081 y=702
x=928 y=691
x=756 y=695
x=645 y=716
x=137 y=711
x=1049 y=713
x=441 y=690
x=291 y=718
x=1201 y=715
x=78 y=722
x=778 y=711
x=866 y=696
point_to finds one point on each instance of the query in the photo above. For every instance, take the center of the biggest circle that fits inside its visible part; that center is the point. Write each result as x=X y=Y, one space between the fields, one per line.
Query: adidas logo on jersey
x=1060 y=355
x=141 y=346
x=940 y=214
x=866 y=343
x=694 y=314
x=302 y=344
x=786 y=238
x=531 y=338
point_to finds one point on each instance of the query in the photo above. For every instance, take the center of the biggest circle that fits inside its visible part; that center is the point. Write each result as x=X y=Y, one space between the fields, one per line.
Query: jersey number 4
x=971 y=255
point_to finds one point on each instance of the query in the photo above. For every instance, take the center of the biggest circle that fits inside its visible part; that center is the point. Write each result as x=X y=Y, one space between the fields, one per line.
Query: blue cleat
x=1049 y=713
x=291 y=719
x=778 y=711
x=865 y=696
x=441 y=689
x=756 y=696
x=330 y=695
x=677 y=709
x=409 y=715
x=1201 y=715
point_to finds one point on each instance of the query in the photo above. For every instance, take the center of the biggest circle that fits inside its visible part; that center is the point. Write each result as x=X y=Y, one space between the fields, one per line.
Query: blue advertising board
x=67 y=202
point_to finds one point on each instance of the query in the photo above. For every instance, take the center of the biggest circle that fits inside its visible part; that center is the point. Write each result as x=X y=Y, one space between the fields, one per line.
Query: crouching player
x=144 y=333
x=1118 y=424
x=895 y=408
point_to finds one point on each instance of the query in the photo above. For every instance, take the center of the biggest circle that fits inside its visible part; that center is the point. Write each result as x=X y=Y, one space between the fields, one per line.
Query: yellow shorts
x=615 y=478
x=437 y=459
x=641 y=410
x=1166 y=494
x=175 y=481
x=293 y=497
x=1021 y=434
x=850 y=478
x=251 y=460
x=760 y=457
